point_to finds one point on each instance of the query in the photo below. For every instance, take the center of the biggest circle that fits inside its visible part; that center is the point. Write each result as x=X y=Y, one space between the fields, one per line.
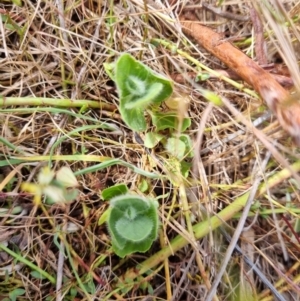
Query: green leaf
x=134 y=118
x=202 y=77
x=132 y=224
x=10 y=24
x=176 y=148
x=138 y=87
x=103 y=218
x=189 y=152
x=185 y=168
x=164 y=121
x=152 y=139
x=90 y=285
x=73 y=292
x=37 y=275
x=137 y=231
x=143 y=186
x=110 y=192
x=16 y=293
x=144 y=98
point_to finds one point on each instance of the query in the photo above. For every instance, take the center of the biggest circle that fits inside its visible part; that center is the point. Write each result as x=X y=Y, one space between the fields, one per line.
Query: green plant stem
x=28 y=263
x=203 y=228
x=106 y=162
x=66 y=103
x=184 y=54
x=112 y=162
x=11 y=146
x=19 y=111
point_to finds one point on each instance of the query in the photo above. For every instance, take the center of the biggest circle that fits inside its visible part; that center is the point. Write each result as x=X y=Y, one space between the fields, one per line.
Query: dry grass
x=55 y=50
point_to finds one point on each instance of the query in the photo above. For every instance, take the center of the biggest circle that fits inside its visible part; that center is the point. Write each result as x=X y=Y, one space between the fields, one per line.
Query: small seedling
x=132 y=223
x=13 y=295
x=142 y=90
x=139 y=87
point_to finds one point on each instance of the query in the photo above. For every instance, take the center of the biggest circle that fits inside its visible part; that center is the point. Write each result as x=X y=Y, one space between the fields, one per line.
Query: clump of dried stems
x=53 y=88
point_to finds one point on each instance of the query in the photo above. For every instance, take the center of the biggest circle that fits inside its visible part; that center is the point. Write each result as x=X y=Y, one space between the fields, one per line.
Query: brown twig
x=276 y=97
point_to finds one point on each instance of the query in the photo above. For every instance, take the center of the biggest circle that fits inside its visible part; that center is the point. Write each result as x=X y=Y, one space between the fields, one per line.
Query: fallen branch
x=276 y=97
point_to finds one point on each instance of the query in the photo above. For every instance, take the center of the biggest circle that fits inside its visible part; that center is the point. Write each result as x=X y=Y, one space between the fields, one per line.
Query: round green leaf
x=132 y=224
x=135 y=230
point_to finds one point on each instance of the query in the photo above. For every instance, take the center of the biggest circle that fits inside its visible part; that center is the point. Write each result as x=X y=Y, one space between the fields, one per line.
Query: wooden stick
x=275 y=96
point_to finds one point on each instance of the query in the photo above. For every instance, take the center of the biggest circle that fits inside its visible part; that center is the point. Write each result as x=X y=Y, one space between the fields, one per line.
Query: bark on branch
x=275 y=96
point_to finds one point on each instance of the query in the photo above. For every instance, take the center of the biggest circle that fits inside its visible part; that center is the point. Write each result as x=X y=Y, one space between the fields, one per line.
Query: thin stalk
x=67 y=103
x=22 y=259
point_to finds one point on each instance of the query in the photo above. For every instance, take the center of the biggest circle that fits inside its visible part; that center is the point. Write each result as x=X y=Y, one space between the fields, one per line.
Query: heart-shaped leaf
x=138 y=87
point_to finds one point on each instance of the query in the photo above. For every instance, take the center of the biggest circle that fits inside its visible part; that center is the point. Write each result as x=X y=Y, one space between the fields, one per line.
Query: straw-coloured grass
x=228 y=231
